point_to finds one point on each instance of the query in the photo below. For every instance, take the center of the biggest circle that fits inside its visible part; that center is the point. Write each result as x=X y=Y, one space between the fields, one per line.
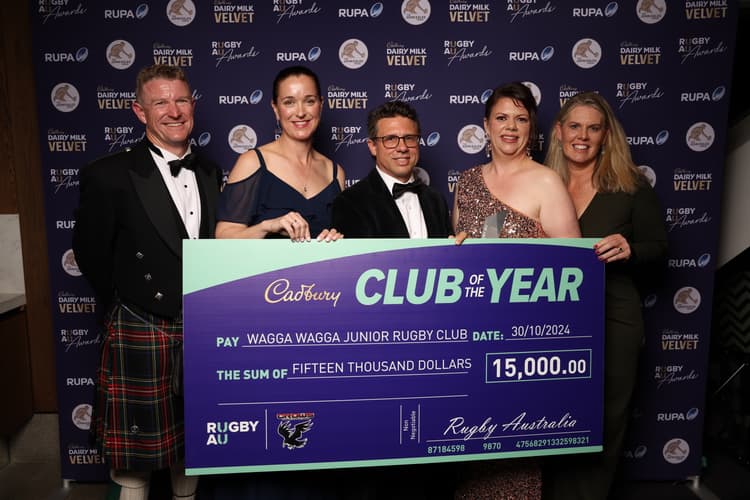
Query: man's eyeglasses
x=391 y=141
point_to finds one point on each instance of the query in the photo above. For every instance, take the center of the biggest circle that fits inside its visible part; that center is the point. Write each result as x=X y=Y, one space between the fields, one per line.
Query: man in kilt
x=136 y=206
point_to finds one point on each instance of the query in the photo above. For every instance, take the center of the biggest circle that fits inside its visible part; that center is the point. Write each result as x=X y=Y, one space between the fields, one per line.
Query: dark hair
x=522 y=96
x=390 y=109
x=154 y=71
x=294 y=71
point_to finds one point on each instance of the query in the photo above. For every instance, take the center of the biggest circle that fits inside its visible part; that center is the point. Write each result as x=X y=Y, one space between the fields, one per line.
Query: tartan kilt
x=138 y=416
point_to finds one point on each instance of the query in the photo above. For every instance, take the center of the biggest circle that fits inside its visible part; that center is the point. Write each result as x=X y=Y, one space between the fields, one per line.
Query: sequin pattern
x=476 y=203
x=517 y=479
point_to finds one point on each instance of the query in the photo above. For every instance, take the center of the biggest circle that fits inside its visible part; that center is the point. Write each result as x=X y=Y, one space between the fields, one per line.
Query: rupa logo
x=374 y=11
x=678 y=416
x=67 y=57
x=119 y=14
x=310 y=56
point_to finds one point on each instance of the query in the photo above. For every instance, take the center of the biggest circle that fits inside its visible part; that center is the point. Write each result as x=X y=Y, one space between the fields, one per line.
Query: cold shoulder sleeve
x=238 y=201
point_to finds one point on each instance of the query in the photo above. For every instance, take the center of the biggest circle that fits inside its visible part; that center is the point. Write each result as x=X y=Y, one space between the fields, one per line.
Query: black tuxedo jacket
x=128 y=234
x=367 y=210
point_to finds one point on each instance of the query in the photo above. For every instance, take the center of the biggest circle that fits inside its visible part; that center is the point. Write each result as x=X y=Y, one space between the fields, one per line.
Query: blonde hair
x=615 y=170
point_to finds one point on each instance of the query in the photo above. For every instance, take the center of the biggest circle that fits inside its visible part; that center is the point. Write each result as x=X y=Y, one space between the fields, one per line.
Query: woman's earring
x=488 y=148
x=277 y=130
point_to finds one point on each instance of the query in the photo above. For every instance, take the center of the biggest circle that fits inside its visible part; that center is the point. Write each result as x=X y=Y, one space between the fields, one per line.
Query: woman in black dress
x=614 y=202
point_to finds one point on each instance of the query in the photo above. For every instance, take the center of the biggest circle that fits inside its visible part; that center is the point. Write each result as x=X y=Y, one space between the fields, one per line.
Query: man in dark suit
x=136 y=207
x=390 y=202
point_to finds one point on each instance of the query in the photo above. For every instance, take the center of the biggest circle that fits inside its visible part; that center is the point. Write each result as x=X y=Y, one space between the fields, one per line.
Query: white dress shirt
x=184 y=192
x=408 y=205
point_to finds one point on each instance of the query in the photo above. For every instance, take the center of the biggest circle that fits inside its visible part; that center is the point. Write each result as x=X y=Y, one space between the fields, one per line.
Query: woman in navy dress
x=284 y=188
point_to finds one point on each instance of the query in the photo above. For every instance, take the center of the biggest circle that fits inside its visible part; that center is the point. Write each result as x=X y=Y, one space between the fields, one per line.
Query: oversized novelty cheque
x=376 y=352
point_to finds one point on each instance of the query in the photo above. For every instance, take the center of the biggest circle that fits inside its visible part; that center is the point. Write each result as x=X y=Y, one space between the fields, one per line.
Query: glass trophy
x=493 y=225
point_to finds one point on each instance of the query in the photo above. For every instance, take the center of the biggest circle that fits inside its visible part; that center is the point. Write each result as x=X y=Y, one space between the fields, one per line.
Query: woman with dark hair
x=532 y=200
x=588 y=148
x=510 y=196
x=284 y=189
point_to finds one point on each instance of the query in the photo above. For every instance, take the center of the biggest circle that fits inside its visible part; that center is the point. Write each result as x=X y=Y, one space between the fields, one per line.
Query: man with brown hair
x=136 y=207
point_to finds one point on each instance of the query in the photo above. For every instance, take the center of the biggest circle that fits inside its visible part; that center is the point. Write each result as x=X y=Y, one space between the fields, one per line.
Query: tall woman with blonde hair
x=614 y=202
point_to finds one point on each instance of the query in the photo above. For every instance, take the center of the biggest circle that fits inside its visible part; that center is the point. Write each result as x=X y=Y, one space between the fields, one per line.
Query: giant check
x=377 y=352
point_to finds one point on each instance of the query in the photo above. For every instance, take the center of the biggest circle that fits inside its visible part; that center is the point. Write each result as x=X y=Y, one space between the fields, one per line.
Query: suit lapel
x=431 y=218
x=386 y=206
x=206 y=178
x=155 y=198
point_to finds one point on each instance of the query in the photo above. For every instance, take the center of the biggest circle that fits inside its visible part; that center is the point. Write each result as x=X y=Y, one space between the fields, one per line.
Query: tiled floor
x=34 y=474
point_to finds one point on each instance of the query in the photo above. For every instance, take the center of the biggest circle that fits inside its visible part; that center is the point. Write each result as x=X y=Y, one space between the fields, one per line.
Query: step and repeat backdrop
x=664 y=66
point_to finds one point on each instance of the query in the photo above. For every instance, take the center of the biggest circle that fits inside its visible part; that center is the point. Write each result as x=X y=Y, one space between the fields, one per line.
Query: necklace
x=307 y=178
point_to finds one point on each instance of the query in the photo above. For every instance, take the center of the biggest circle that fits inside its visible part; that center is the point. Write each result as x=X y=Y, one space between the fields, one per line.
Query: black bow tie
x=399 y=189
x=187 y=162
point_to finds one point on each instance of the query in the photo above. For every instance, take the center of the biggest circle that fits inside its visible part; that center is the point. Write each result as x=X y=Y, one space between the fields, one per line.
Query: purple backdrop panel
x=665 y=67
x=406 y=354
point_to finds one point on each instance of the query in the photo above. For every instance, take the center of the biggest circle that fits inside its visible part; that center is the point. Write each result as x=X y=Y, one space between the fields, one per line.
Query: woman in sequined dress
x=533 y=198
x=535 y=205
